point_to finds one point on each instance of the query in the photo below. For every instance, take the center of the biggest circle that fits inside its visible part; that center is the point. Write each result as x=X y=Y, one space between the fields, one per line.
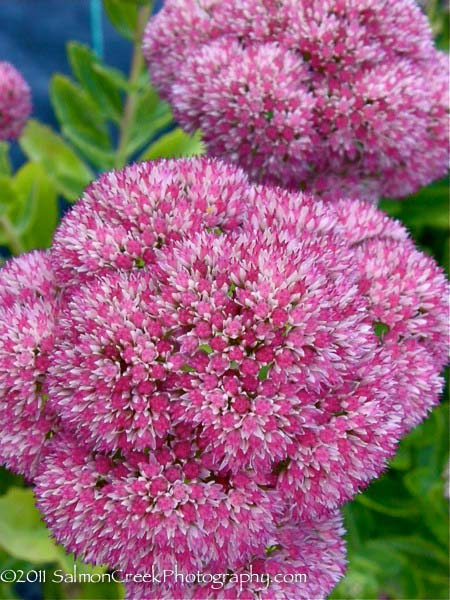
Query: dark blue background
x=33 y=36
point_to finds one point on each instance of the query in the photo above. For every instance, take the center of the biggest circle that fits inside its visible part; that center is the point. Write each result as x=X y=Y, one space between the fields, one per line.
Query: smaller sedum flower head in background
x=15 y=102
x=321 y=95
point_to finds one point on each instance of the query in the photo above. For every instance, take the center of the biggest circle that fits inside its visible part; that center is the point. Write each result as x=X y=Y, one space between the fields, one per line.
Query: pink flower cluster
x=210 y=369
x=320 y=95
x=15 y=102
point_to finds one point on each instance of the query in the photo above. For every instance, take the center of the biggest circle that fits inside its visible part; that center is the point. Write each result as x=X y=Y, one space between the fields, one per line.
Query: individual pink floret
x=15 y=102
x=344 y=98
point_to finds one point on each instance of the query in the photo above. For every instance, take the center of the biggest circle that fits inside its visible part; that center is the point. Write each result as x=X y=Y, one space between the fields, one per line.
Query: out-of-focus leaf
x=359 y=582
x=7 y=480
x=67 y=171
x=123 y=15
x=151 y=115
x=102 y=159
x=38 y=196
x=418 y=481
x=417 y=546
x=429 y=207
x=22 y=533
x=401 y=510
x=5 y=165
x=175 y=144
x=7 y=194
x=114 y=76
x=10 y=210
x=402 y=459
x=101 y=87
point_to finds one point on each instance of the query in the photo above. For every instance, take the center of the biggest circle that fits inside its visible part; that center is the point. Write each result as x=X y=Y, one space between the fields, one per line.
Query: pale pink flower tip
x=340 y=97
x=15 y=102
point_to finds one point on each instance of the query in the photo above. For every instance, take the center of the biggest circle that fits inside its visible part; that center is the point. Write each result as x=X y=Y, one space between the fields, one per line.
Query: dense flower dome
x=222 y=358
x=15 y=102
x=344 y=95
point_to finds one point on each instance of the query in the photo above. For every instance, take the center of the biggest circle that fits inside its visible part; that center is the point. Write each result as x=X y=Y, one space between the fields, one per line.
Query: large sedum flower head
x=15 y=102
x=319 y=95
x=224 y=357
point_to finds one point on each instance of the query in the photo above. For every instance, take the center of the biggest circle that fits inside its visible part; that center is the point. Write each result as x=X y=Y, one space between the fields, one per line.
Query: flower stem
x=137 y=63
x=13 y=240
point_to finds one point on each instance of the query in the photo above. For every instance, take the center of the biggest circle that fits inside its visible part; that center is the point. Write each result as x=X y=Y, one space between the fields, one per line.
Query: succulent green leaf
x=68 y=172
x=123 y=15
x=175 y=144
x=102 y=86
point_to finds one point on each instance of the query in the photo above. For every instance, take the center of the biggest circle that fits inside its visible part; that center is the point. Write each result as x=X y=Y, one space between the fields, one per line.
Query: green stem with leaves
x=13 y=240
x=137 y=64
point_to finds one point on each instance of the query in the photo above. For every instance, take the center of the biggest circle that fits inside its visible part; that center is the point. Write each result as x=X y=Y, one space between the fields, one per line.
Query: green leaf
x=11 y=210
x=205 y=348
x=22 y=533
x=417 y=546
x=81 y=121
x=5 y=165
x=103 y=159
x=114 y=76
x=402 y=510
x=7 y=480
x=175 y=144
x=402 y=460
x=97 y=82
x=39 y=199
x=264 y=372
x=123 y=15
x=429 y=207
x=380 y=329
x=68 y=172
x=151 y=115
x=8 y=196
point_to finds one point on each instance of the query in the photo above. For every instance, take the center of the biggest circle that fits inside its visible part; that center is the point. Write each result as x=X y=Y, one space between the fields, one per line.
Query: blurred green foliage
x=398 y=529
